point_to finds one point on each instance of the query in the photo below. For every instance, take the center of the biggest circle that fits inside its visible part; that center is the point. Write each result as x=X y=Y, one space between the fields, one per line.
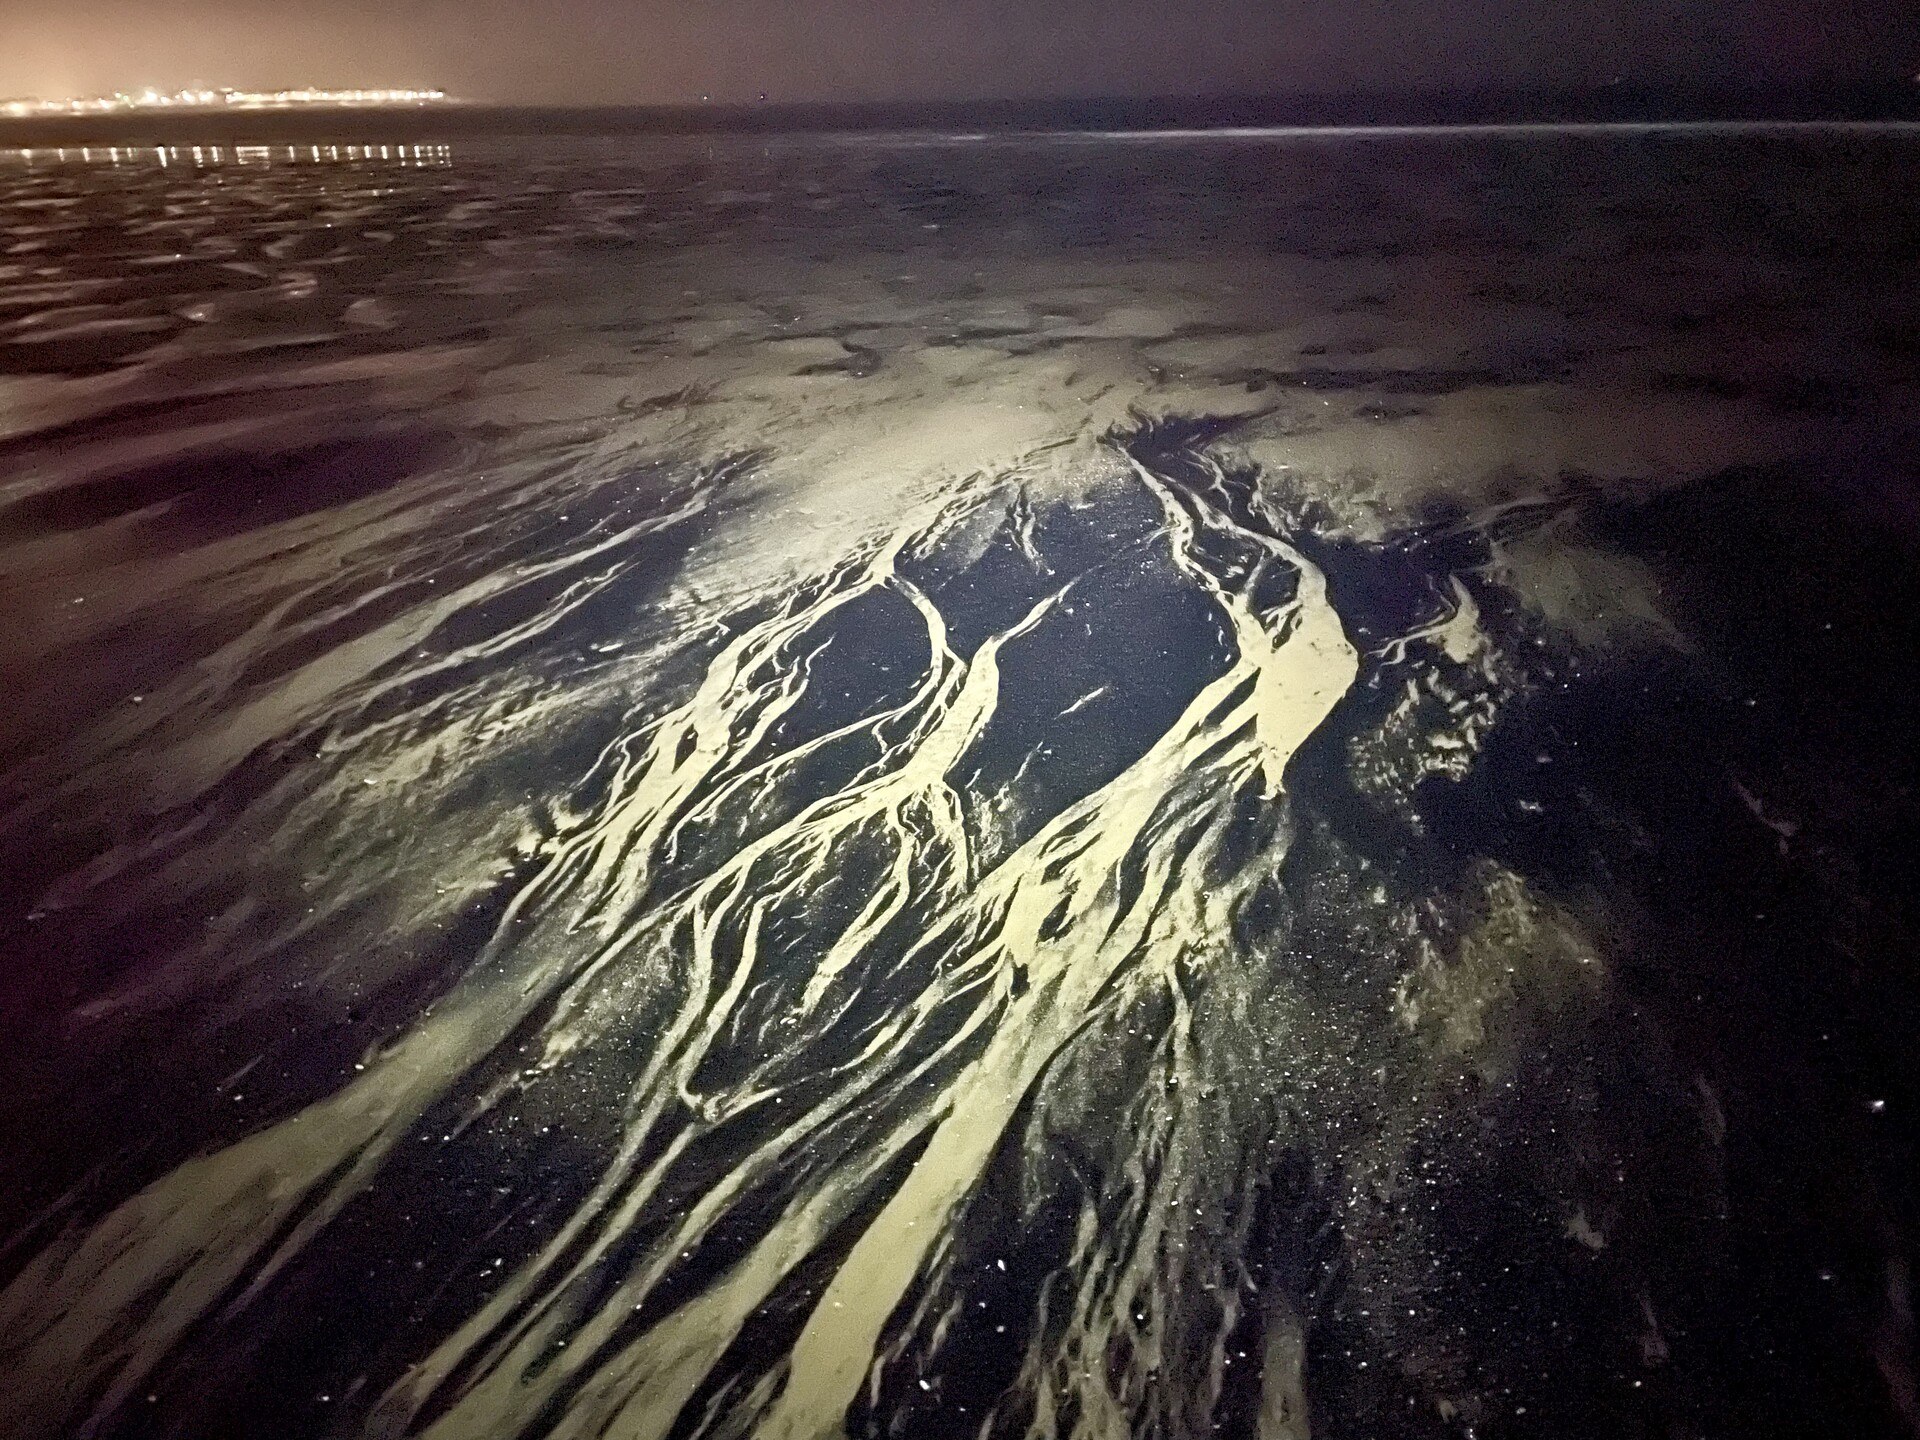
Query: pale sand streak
x=192 y=1234
x=906 y=786
x=195 y=1233
x=909 y=783
x=1293 y=668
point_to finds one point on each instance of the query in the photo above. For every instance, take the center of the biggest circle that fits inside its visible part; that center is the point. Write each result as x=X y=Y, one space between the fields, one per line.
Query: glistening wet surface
x=909 y=786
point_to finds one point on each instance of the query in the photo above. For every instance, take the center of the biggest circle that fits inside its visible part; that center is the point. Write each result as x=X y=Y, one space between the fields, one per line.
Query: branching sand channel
x=928 y=845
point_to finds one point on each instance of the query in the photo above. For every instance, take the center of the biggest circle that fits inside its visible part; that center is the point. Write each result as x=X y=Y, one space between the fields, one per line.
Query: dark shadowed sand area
x=1069 y=787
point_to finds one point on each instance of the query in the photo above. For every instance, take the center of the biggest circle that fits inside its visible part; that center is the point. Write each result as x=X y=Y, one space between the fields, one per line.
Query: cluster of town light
x=215 y=99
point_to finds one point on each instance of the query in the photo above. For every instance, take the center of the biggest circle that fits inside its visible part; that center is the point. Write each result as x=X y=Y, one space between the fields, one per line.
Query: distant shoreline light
x=222 y=99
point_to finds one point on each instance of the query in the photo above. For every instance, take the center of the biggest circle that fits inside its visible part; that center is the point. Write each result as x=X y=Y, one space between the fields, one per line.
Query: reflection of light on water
x=203 y=156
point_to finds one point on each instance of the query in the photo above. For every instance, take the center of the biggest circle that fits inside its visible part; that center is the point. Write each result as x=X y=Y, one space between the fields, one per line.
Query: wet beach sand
x=920 y=786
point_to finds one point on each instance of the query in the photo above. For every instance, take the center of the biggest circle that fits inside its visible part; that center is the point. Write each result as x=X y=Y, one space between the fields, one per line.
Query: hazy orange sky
x=676 y=50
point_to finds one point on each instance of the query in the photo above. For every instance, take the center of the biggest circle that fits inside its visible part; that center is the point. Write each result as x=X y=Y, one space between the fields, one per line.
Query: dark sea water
x=1061 y=787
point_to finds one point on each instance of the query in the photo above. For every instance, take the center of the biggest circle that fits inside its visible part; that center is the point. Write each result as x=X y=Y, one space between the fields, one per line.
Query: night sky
x=644 y=51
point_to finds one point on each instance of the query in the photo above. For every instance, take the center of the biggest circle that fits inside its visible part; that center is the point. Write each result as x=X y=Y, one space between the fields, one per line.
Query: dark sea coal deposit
x=1055 y=786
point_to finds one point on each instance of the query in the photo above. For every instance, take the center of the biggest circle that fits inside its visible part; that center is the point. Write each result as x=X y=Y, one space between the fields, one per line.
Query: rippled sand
x=1051 y=787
